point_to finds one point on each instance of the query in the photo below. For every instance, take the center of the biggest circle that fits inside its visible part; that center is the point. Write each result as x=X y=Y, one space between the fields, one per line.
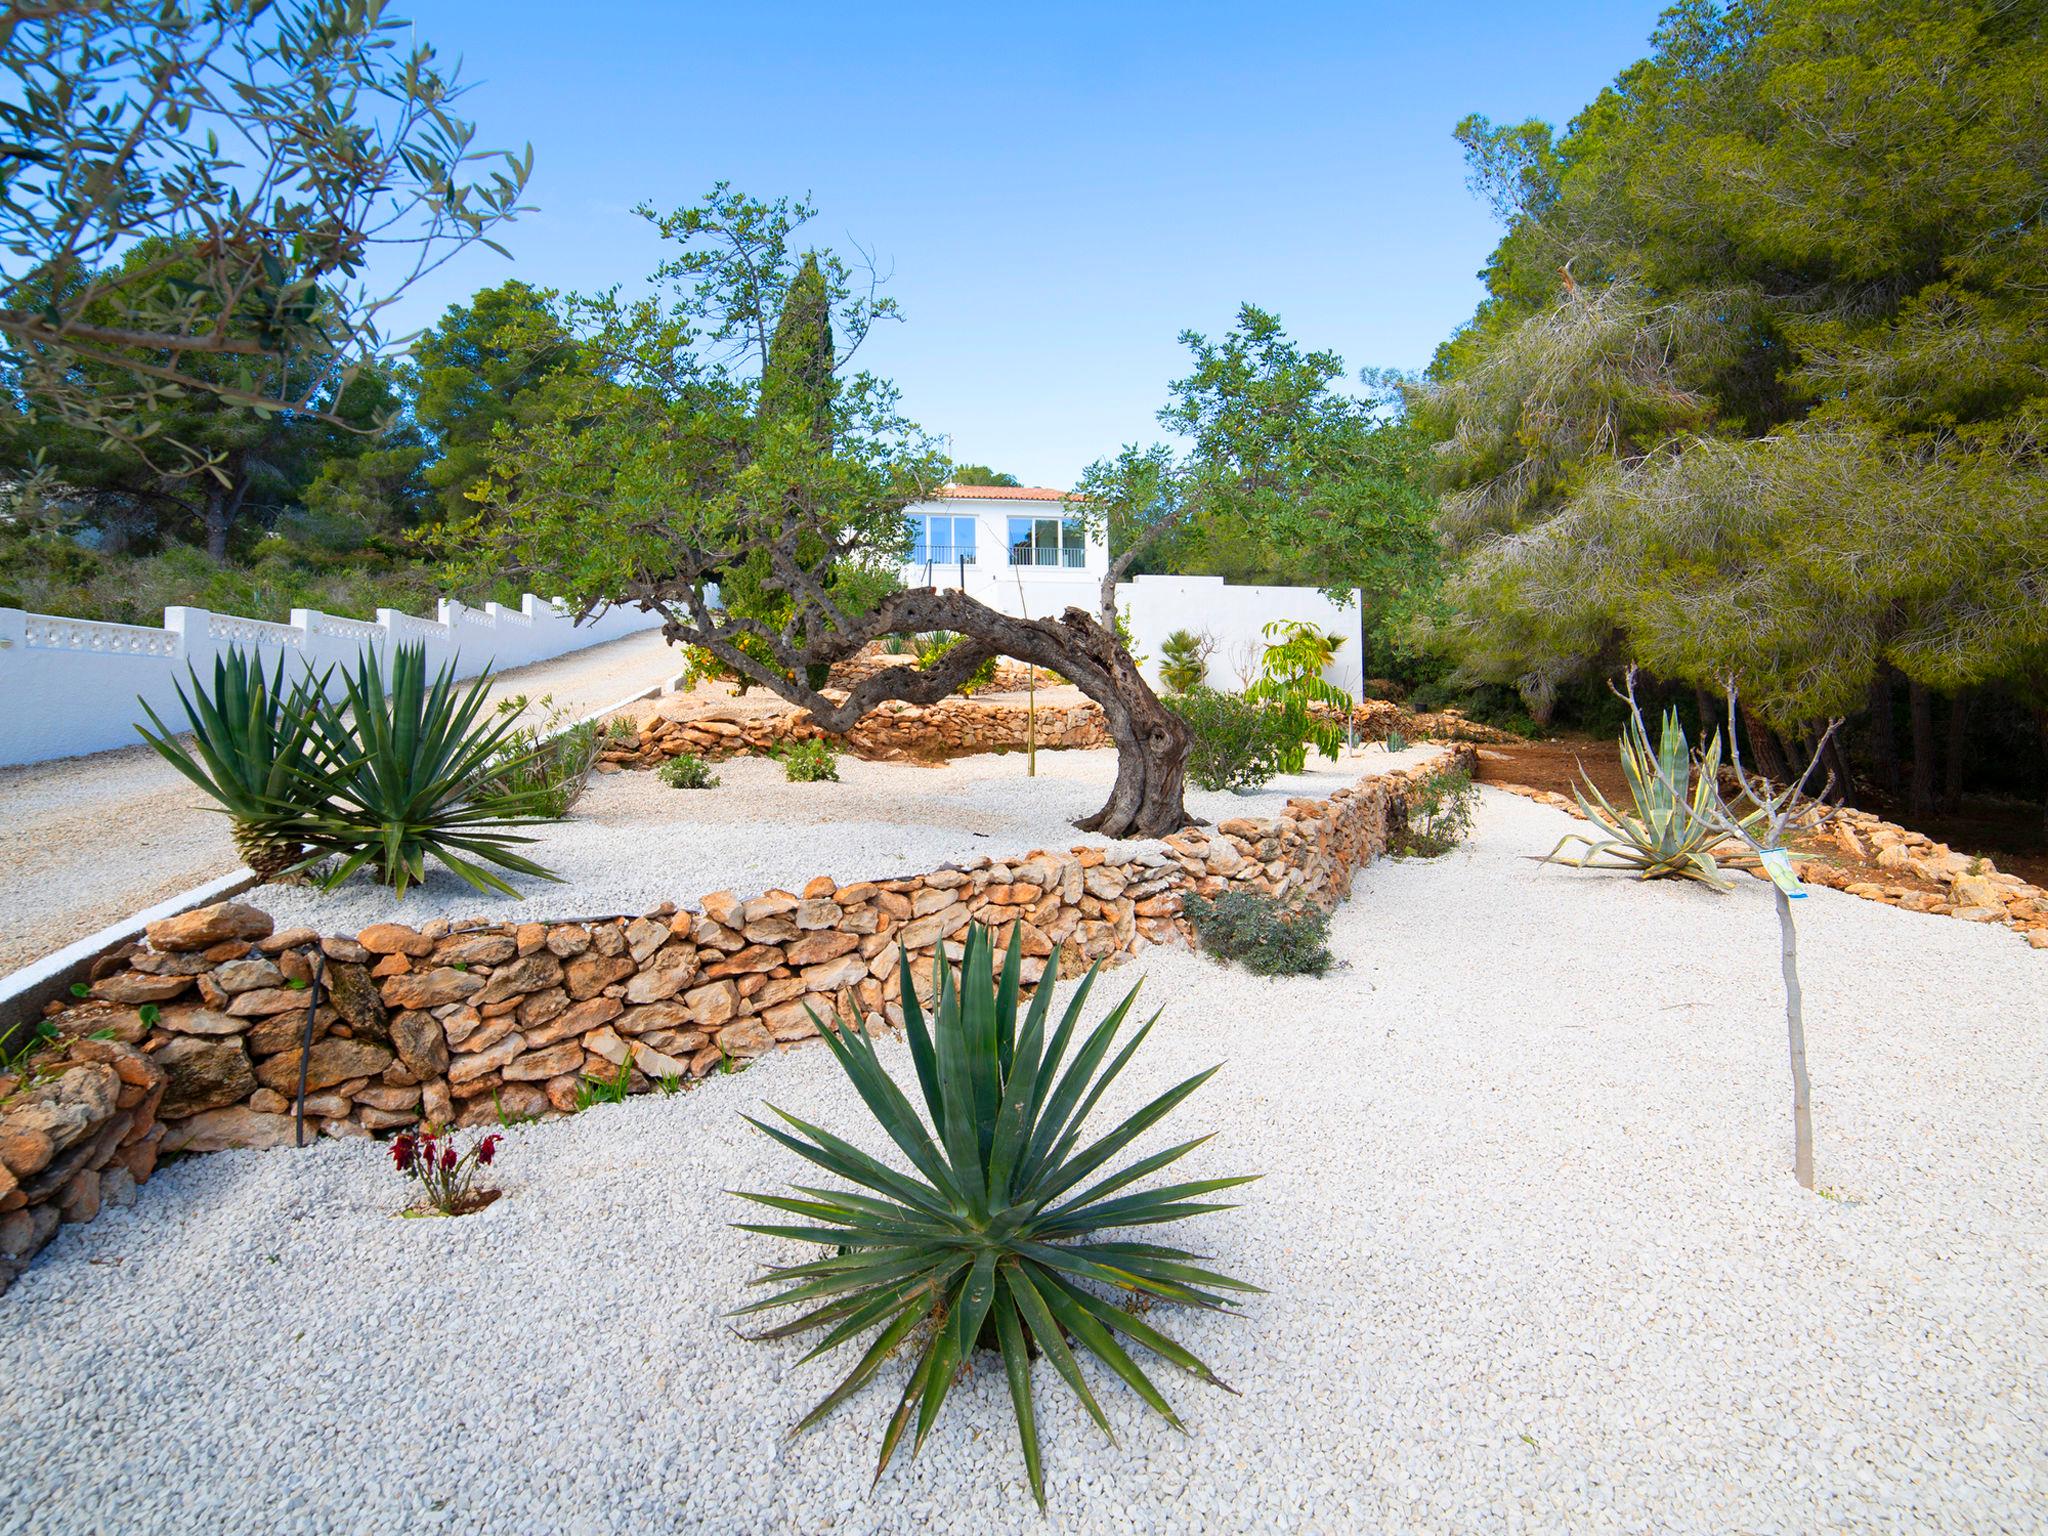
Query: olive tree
x=726 y=467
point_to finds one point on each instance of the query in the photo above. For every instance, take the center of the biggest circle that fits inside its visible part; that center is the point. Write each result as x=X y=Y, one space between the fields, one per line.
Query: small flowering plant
x=448 y=1177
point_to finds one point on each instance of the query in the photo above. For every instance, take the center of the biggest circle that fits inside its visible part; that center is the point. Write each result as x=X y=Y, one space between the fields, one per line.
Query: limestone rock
x=137 y=987
x=394 y=939
x=430 y=989
x=220 y=1130
x=331 y=1061
x=201 y=1021
x=421 y=1042
x=207 y=926
x=247 y=975
x=355 y=997
x=203 y=1074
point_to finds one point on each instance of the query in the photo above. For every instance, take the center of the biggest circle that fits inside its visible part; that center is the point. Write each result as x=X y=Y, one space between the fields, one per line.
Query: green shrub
x=1184 y=661
x=1006 y=1231
x=1439 y=815
x=1237 y=744
x=549 y=758
x=686 y=770
x=1291 y=679
x=1396 y=742
x=1266 y=937
x=807 y=761
x=931 y=647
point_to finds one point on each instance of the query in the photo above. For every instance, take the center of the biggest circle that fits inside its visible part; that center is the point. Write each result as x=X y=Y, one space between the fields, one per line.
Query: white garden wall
x=1155 y=606
x=69 y=686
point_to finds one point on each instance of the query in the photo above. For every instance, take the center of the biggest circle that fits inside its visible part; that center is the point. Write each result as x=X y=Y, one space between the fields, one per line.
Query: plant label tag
x=1777 y=864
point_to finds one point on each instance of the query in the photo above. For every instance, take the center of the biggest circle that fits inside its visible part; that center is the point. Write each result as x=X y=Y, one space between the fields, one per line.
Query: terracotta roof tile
x=999 y=493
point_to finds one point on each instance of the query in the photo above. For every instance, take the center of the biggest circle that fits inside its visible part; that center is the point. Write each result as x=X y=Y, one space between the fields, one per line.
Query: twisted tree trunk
x=1151 y=741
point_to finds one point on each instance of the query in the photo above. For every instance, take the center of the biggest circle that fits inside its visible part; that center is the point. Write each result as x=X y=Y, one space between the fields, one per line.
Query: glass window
x=940 y=540
x=1048 y=541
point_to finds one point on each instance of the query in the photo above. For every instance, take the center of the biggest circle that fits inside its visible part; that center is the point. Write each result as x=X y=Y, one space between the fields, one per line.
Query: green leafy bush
x=1291 y=679
x=686 y=770
x=932 y=647
x=1439 y=815
x=549 y=758
x=1004 y=1235
x=1237 y=743
x=1184 y=660
x=807 y=761
x=1266 y=937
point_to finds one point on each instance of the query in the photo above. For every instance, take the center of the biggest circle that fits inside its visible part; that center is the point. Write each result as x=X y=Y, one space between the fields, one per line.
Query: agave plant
x=1004 y=1234
x=1677 y=820
x=410 y=775
x=255 y=749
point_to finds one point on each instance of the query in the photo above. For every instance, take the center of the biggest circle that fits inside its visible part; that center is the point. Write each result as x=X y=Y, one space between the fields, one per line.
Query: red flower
x=401 y=1151
x=488 y=1149
x=448 y=1160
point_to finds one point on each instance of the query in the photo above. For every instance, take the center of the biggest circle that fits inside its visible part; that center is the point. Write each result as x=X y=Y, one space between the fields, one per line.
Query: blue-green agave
x=1676 y=820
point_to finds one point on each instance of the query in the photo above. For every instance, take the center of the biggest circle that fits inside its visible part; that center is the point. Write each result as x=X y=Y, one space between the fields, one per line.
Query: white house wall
x=70 y=686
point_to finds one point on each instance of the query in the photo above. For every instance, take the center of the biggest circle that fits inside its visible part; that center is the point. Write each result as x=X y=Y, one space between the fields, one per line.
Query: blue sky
x=1059 y=190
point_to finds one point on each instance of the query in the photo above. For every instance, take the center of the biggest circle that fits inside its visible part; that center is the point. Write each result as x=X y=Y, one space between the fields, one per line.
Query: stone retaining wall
x=954 y=727
x=459 y=1024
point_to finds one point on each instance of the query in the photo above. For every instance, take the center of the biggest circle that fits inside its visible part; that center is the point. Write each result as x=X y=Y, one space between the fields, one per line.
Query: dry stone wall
x=203 y=1030
x=954 y=727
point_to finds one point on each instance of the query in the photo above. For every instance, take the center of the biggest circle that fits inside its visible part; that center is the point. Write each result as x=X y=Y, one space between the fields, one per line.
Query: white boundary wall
x=1236 y=617
x=69 y=686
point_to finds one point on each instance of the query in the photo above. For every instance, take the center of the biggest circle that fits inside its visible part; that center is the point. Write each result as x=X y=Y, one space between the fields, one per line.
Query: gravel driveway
x=1535 y=1256
x=84 y=841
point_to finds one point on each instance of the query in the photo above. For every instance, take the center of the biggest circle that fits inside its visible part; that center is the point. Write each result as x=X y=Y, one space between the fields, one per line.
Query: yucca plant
x=255 y=749
x=998 y=1239
x=410 y=774
x=1678 y=816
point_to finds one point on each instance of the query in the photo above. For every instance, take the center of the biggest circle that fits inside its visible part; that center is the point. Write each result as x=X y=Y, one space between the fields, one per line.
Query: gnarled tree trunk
x=1151 y=741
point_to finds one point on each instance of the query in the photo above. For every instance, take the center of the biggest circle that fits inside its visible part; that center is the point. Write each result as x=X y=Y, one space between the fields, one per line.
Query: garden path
x=84 y=841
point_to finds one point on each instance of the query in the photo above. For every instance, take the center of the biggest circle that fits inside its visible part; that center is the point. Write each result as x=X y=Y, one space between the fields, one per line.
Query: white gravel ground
x=62 y=876
x=632 y=842
x=1535 y=1255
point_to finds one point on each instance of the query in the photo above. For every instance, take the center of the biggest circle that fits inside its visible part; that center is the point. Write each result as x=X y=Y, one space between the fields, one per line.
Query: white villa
x=1008 y=546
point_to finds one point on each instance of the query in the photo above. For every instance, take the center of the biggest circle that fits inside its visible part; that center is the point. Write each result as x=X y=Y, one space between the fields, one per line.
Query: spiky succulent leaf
x=985 y=1243
x=411 y=768
x=256 y=749
x=1674 y=822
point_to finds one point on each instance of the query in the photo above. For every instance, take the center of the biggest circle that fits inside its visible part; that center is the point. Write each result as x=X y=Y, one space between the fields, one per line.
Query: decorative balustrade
x=69 y=686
